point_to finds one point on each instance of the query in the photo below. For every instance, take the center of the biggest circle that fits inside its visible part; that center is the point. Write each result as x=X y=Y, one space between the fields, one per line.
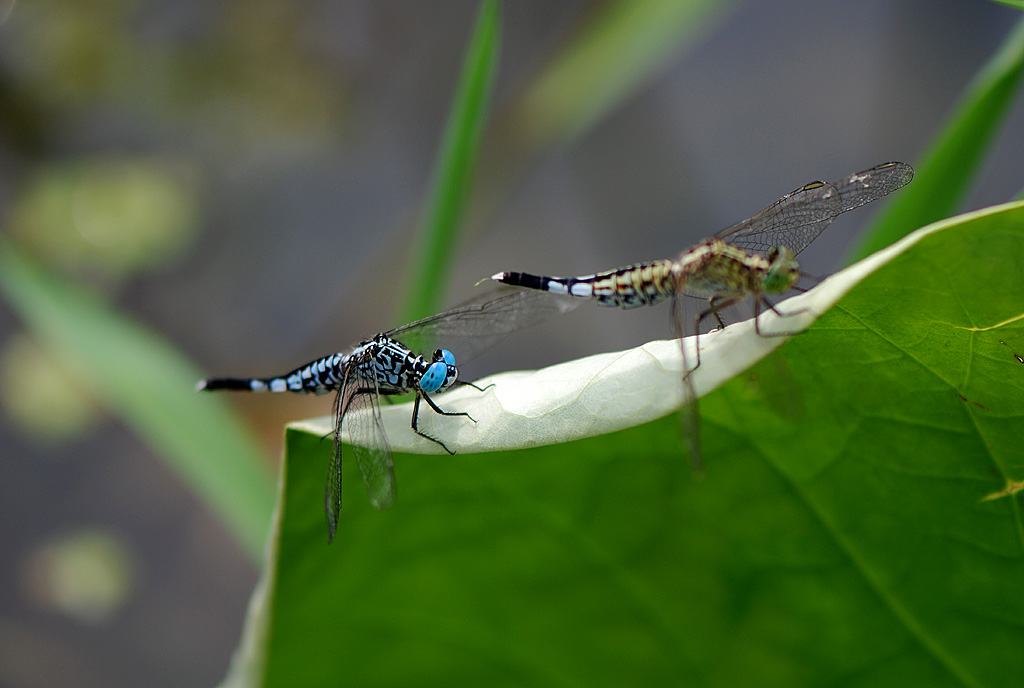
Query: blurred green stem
x=439 y=231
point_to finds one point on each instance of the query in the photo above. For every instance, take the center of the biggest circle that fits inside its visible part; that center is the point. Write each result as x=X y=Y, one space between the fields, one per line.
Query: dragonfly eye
x=783 y=272
x=453 y=375
x=445 y=355
x=435 y=377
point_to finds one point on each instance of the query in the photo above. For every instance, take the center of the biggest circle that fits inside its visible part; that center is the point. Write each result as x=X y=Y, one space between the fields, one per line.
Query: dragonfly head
x=441 y=373
x=783 y=271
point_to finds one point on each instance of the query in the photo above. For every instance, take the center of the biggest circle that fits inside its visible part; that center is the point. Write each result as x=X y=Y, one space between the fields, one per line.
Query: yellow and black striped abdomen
x=642 y=284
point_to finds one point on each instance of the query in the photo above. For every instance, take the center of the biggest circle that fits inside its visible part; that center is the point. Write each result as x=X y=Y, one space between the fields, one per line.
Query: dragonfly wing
x=796 y=219
x=793 y=221
x=332 y=493
x=482 y=321
x=371 y=448
x=358 y=408
x=870 y=185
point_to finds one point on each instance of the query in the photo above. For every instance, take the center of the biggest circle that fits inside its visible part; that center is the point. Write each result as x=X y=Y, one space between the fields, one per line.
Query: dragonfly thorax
x=388 y=363
x=717 y=269
x=394 y=366
x=782 y=273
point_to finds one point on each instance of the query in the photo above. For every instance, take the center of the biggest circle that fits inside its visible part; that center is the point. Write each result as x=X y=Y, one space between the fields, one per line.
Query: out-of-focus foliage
x=209 y=68
x=87 y=574
x=43 y=396
x=141 y=378
x=621 y=48
x=454 y=170
x=952 y=163
x=112 y=217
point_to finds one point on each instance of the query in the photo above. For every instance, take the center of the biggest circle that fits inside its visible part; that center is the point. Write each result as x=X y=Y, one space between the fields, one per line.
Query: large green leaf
x=839 y=536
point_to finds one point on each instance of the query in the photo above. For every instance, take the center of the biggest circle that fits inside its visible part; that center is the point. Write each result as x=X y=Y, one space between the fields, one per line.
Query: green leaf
x=439 y=233
x=839 y=538
x=944 y=176
x=144 y=380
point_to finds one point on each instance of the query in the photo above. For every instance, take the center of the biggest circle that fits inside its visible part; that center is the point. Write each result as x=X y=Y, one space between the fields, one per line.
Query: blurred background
x=244 y=179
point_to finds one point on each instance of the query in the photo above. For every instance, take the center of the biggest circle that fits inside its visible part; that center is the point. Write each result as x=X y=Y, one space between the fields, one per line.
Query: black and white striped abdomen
x=322 y=376
x=642 y=284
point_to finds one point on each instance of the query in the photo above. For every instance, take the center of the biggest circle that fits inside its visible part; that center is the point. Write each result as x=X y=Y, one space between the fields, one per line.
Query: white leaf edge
x=608 y=392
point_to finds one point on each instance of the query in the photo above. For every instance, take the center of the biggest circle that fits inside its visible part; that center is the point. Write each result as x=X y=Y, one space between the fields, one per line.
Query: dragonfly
x=755 y=258
x=388 y=365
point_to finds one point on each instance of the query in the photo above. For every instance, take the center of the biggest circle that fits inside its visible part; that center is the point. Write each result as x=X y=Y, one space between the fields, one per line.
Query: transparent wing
x=371 y=448
x=481 y=322
x=870 y=185
x=796 y=219
x=332 y=493
x=793 y=221
x=358 y=406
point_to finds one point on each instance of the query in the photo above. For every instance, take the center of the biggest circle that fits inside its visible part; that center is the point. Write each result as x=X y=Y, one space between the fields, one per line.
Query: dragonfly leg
x=718 y=315
x=716 y=304
x=470 y=384
x=415 y=425
x=771 y=306
x=436 y=409
x=690 y=416
x=386 y=393
x=814 y=278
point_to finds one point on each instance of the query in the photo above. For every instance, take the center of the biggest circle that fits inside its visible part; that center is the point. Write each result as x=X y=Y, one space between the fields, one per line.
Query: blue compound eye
x=435 y=377
x=453 y=375
x=445 y=355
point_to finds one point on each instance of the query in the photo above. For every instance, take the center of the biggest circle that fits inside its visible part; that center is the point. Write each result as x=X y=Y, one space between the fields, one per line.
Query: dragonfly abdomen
x=322 y=376
x=642 y=284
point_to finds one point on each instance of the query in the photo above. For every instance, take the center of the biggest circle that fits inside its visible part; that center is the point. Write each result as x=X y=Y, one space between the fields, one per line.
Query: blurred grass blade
x=144 y=380
x=438 y=235
x=619 y=49
x=944 y=176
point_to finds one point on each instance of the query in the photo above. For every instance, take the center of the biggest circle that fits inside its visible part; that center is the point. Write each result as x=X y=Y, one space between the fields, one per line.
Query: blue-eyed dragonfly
x=388 y=365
